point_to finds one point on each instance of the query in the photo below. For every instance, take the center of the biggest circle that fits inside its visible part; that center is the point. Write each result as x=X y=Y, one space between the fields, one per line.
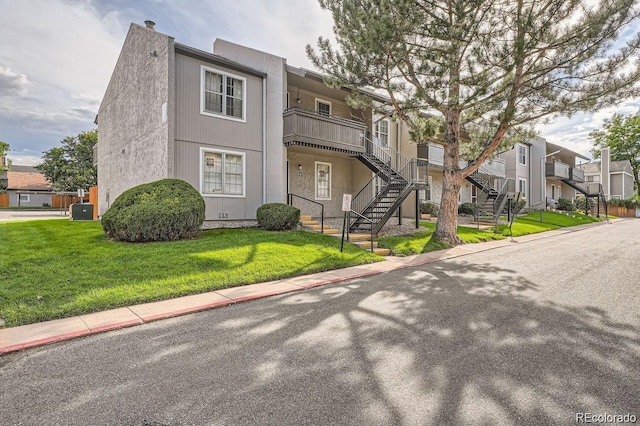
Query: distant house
x=616 y=177
x=27 y=187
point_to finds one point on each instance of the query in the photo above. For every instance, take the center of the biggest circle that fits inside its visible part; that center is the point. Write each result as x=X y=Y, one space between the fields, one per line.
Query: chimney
x=150 y=24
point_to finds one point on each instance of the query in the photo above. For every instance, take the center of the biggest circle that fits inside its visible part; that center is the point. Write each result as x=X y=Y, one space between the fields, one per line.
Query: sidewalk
x=32 y=335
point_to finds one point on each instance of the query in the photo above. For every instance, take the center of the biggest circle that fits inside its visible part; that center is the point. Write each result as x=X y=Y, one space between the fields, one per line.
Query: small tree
x=4 y=149
x=70 y=166
x=501 y=65
x=622 y=135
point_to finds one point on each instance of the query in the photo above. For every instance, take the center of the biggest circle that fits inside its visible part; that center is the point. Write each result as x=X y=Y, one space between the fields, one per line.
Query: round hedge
x=277 y=216
x=164 y=210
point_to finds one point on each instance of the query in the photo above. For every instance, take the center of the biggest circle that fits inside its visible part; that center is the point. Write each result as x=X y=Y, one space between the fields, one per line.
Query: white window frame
x=378 y=130
x=24 y=198
x=319 y=101
x=317 y=163
x=524 y=193
x=225 y=75
x=223 y=152
x=524 y=148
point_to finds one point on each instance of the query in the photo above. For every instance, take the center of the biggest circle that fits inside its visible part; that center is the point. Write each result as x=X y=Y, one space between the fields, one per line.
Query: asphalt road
x=6 y=214
x=535 y=333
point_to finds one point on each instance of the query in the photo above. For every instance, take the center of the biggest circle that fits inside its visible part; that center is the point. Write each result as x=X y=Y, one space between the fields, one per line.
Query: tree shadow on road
x=448 y=343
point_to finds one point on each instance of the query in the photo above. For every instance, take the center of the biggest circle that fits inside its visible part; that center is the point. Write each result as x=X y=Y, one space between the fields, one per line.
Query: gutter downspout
x=264 y=140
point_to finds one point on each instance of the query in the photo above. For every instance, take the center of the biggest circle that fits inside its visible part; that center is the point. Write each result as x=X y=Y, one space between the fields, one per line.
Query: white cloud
x=573 y=132
x=12 y=83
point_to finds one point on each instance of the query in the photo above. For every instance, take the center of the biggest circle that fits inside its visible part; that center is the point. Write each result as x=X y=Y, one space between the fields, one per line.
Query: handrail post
x=371 y=237
x=322 y=219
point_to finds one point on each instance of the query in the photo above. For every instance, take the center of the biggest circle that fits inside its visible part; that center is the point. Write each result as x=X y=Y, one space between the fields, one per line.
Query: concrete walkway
x=32 y=335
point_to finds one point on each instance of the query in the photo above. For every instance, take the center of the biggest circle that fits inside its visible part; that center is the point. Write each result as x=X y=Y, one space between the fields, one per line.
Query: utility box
x=82 y=211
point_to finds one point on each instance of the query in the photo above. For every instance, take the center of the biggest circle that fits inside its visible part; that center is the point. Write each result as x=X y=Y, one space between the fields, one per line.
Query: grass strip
x=53 y=269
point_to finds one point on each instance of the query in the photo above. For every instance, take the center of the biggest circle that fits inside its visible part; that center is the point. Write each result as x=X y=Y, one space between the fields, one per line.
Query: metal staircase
x=375 y=204
x=491 y=201
x=590 y=190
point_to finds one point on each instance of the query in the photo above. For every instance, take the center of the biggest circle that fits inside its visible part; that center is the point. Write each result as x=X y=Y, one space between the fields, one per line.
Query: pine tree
x=492 y=67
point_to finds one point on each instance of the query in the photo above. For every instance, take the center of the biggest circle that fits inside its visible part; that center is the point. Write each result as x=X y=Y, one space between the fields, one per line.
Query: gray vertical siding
x=194 y=131
x=187 y=156
x=192 y=126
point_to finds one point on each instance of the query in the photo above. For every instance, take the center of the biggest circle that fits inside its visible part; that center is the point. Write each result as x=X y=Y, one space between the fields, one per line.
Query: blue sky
x=57 y=56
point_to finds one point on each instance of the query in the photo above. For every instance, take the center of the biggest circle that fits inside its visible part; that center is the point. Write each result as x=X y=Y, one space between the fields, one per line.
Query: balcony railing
x=557 y=169
x=435 y=155
x=577 y=175
x=304 y=127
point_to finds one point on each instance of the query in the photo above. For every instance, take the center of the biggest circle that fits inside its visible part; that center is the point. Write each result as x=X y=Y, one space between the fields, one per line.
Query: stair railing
x=366 y=195
x=364 y=218
x=290 y=197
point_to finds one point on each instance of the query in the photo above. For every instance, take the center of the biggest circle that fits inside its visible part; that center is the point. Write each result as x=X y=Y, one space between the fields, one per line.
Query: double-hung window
x=323 y=107
x=522 y=155
x=223 y=94
x=223 y=173
x=522 y=187
x=381 y=131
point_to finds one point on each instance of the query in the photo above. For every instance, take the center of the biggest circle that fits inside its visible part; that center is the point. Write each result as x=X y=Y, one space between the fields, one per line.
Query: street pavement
x=6 y=214
x=537 y=332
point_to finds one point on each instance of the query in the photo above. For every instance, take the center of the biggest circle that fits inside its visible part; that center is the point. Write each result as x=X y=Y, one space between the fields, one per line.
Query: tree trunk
x=446 y=226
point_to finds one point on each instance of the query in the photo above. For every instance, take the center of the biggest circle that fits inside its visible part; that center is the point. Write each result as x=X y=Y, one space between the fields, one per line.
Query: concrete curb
x=32 y=335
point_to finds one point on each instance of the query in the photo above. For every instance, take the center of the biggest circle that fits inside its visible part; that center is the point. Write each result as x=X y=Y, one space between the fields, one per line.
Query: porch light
x=299 y=166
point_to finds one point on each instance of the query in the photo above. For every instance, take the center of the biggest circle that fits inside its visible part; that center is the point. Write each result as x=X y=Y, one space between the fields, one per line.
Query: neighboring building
x=542 y=172
x=27 y=187
x=244 y=128
x=616 y=177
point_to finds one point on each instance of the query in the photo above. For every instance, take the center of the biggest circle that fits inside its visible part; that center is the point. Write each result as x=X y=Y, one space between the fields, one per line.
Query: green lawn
x=421 y=242
x=530 y=224
x=53 y=269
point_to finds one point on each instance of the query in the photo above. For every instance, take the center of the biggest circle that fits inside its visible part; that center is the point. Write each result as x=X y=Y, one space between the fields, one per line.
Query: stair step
x=359 y=237
x=318 y=227
x=309 y=222
x=382 y=251
x=330 y=231
x=305 y=217
x=365 y=244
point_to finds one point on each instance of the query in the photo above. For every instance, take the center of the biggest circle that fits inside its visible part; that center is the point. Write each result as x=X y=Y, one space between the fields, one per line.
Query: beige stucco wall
x=348 y=176
x=135 y=141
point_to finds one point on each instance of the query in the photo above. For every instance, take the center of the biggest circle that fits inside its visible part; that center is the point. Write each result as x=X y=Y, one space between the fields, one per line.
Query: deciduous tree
x=70 y=166
x=622 y=135
x=501 y=64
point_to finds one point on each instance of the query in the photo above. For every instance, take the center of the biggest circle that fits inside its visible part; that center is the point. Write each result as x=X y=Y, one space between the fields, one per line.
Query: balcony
x=576 y=175
x=435 y=154
x=557 y=170
x=309 y=128
x=495 y=167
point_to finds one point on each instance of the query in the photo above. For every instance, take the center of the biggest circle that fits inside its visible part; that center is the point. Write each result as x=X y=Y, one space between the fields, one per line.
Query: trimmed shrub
x=467 y=208
x=583 y=202
x=566 y=205
x=164 y=210
x=278 y=216
x=430 y=208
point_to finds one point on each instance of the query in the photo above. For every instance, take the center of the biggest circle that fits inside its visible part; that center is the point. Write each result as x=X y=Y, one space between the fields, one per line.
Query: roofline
x=192 y=52
x=556 y=147
x=314 y=75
